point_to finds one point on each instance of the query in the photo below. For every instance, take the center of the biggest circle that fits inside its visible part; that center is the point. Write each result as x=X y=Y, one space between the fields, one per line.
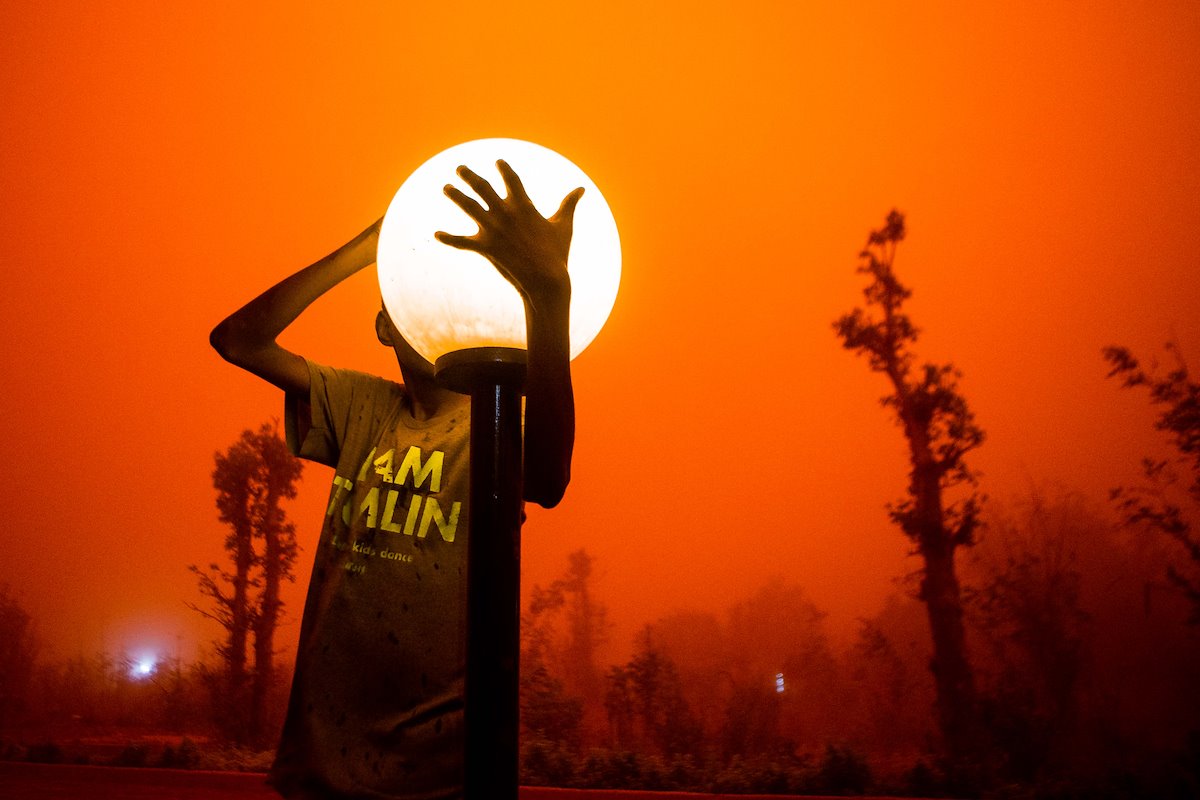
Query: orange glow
x=164 y=163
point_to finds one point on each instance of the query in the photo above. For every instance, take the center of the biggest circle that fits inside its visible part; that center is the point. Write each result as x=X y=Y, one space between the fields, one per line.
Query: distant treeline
x=1083 y=649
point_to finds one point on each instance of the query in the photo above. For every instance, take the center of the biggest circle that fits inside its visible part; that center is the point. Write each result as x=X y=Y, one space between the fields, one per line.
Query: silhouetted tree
x=569 y=655
x=891 y=696
x=275 y=480
x=1028 y=612
x=619 y=703
x=547 y=712
x=647 y=689
x=1083 y=673
x=751 y=724
x=252 y=477
x=777 y=633
x=1169 y=500
x=587 y=621
x=696 y=643
x=940 y=430
x=18 y=650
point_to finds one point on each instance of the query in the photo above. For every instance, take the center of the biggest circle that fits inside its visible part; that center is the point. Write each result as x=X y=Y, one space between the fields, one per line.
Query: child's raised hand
x=527 y=248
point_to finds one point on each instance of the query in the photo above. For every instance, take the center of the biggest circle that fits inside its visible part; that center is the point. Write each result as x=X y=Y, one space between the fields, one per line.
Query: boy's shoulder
x=341 y=404
x=350 y=380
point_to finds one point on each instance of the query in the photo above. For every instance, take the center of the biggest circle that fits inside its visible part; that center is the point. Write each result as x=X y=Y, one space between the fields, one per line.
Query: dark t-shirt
x=376 y=703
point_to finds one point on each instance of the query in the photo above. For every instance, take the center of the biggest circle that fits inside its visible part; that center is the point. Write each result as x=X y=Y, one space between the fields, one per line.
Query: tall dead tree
x=278 y=473
x=252 y=477
x=940 y=430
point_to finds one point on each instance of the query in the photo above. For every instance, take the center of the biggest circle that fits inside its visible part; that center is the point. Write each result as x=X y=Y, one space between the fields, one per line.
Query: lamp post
x=458 y=312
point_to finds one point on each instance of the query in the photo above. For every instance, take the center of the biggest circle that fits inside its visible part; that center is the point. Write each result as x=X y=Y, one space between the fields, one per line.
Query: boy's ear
x=383 y=328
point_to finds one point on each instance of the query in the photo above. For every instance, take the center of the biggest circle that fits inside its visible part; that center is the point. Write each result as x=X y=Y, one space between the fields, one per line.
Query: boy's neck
x=426 y=397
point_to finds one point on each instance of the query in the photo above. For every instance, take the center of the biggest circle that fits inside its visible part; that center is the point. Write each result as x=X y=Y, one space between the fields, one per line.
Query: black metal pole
x=493 y=377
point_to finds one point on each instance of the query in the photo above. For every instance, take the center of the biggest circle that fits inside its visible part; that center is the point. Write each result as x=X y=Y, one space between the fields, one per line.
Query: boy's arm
x=247 y=336
x=531 y=252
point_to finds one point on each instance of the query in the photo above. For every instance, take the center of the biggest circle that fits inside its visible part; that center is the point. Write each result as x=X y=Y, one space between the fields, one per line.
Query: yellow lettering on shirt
x=412 y=467
x=362 y=471
x=370 y=504
x=384 y=464
x=342 y=484
x=389 y=508
x=410 y=522
x=433 y=513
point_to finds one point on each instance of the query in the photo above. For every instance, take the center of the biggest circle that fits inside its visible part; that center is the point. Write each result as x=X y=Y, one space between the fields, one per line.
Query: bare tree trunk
x=940 y=592
x=265 y=624
x=953 y=680
x=239 y=630
x=586 y=632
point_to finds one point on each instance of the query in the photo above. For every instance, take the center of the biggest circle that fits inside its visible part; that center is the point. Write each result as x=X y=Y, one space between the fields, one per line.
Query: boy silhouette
x=376 y=702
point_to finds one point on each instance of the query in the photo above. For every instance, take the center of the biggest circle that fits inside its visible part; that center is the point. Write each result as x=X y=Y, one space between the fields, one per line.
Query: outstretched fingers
x=473 y=209
x=481 y=187
x=511 y=229
x=566 y=209
x=464 y=201
x=512 y=182
x=460 y=242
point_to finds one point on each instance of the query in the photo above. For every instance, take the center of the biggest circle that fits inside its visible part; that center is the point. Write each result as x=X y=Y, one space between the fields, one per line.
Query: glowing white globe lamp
x=443 y=299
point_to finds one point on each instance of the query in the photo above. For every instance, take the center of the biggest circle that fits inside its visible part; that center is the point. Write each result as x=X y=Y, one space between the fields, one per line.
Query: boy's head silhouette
x=412 y=364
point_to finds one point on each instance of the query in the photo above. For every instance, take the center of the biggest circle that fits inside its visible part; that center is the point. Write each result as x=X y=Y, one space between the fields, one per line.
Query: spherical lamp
x=442 y=299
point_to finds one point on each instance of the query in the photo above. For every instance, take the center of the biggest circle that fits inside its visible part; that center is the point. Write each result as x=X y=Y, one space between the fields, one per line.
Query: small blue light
x=143 y=668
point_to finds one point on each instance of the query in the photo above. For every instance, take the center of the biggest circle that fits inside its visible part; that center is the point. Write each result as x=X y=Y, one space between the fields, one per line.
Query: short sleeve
x=317 y=427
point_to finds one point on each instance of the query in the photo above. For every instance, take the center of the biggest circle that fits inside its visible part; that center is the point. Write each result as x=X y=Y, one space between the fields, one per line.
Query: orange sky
x=163 y=163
